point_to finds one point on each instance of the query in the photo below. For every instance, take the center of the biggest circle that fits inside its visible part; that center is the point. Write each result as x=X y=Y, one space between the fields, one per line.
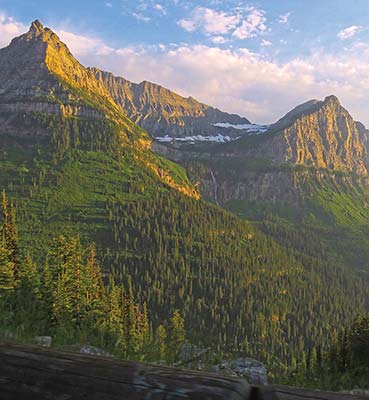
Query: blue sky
x=256 y=58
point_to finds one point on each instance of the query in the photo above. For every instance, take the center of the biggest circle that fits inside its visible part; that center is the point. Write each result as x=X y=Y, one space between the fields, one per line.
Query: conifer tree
x=94 y=291
x=177 y=333
x=7 y=265
x=114 y=310
x=132 y=339
x=6 y=269
x=160 y=341
x=9 y=233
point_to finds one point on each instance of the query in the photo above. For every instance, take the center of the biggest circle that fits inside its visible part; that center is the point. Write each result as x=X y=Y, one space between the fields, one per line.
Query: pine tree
x=9 y=234
x=160 y=341
x=177 y=335
x=6 y=269
x=29 y=279
x=93 y=287
x=114 y=311
x=132 y=339
x=7 y=265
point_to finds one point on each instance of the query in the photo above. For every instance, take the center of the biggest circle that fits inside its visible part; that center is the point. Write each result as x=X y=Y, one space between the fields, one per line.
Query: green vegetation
x=65 y=296
x=239 y=291
x=342 y=365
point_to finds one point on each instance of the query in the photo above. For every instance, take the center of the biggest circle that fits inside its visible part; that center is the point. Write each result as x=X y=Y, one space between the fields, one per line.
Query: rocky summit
x=320 y=134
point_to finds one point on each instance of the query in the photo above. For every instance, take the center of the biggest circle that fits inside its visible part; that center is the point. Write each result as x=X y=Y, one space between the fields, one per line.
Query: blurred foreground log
x=38 y=374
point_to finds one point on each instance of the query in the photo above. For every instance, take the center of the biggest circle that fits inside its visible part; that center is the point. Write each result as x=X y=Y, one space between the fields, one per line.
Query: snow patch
x=249 y=128
x=196 y=138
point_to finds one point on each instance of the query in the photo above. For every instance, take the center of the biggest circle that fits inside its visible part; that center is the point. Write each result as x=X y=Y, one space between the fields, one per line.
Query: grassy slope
x=334 y=210
x=71 y=195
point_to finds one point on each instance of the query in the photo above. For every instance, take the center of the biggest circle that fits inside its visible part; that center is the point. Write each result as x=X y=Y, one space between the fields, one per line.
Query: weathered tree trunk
x=37 y=374
x=30 y=373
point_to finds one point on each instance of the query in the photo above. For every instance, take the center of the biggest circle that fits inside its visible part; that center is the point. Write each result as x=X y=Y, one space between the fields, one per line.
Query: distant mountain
x=169 y=116
x=324 y=136
x=320 y=134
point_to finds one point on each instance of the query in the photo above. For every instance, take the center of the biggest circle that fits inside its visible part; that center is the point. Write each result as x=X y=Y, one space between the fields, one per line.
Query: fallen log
x=34 y=373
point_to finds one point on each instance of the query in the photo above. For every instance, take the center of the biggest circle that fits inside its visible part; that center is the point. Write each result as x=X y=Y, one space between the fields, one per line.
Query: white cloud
x=108 y=4
x=283 y=19
x=210 y=21
x=253 y=25
x=84 y=45
x=266 y=43
x=141 y=17
x=9 y=29
x=219 y=40
x=160 y=8
x=349 y=32
x=240 y=22
x=244 y=82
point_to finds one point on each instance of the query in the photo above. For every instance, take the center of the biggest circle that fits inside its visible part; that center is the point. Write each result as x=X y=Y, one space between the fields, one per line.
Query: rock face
x=252 y=370
x=255 y=186
x=163 y=112
x=326 y=138
x=319 y=134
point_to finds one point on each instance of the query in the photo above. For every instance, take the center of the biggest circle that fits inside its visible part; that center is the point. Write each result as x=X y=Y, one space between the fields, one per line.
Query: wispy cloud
x=141 y=17
x=349 y=32
x=160 y=8
x=240 y=22
x=108 y=4
x=266 y=43
x=284 y=18
x=219 y=39
x=9 y=28
x=210 y=21
x=253 y=25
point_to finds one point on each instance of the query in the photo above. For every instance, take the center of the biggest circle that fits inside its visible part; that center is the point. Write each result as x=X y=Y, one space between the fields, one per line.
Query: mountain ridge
x=163 y=112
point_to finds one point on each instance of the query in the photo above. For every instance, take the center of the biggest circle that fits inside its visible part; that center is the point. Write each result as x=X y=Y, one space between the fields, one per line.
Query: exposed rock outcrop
x=320 y=134
x=251 y=369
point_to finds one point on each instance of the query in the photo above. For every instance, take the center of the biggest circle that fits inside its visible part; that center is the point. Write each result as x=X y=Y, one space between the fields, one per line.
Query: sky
x=258 y=59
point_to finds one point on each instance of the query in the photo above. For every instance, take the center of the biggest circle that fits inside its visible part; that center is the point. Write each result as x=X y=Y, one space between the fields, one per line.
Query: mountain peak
x=332 y=99
x=322 y=134
x=36 y=27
